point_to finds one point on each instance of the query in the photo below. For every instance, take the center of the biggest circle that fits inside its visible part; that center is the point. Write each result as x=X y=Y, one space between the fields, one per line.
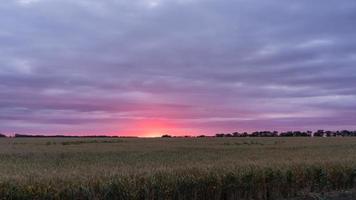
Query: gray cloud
x=199 y=65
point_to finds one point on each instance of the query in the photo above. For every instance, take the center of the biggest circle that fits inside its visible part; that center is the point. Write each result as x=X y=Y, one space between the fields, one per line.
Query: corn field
x=175 y=168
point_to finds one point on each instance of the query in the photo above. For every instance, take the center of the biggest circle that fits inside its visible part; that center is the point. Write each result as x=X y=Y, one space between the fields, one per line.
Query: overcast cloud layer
x=146 y=67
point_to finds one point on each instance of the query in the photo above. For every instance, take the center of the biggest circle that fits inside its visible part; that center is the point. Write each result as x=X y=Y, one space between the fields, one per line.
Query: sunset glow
x=152 y=128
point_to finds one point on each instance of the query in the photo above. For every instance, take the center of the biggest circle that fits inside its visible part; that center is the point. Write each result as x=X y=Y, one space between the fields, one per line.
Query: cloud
x=204 y=66
x=27 y=2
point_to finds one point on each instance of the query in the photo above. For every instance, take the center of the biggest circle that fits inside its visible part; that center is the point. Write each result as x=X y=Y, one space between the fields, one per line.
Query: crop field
x=175 y=168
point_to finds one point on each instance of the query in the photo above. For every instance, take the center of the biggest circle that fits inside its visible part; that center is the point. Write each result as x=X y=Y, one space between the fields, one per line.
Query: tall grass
x=176 y=168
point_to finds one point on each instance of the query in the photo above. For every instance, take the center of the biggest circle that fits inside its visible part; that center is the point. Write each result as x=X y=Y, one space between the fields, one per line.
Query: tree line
x=57 y=136
x=318 y=133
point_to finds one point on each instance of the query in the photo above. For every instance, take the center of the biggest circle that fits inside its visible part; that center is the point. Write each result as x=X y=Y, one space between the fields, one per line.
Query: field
x=175 y=168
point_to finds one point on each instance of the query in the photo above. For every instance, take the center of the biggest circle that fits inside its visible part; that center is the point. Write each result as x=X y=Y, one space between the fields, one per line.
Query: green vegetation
x=175 y=168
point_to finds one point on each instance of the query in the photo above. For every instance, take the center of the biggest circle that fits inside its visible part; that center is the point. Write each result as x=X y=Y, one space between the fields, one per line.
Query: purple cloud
x=185 y=67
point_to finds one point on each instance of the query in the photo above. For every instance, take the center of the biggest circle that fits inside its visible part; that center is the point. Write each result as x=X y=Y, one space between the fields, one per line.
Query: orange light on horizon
x=152 y=127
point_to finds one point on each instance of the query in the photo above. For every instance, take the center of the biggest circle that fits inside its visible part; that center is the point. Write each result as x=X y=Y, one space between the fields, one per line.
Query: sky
x=181 y=67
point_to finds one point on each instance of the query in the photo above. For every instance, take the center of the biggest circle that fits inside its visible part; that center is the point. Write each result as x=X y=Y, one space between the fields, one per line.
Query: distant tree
x=347 y=133
x=264 y=134
x=166 y=136
x=269 y=134
x=219 y=135
x=201 y=136
x=30 y=136
x=310 y=133
x=236 y=134
x=330 y=133
x=286 y=134
x=301 y=134
x=353 y=133
x=319 y=133
x=228 y=135
x=305 y=134
x=21 y=135
x=255 y=134
x=2 y=135
x=338 y=134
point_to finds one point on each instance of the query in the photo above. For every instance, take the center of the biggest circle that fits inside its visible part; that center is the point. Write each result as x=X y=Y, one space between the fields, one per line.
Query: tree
x=201 y=136
x=166 y=136
x=286 y=134
x=219 y=135
x=228 y=135
x=236 y=134
x=319 y=133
